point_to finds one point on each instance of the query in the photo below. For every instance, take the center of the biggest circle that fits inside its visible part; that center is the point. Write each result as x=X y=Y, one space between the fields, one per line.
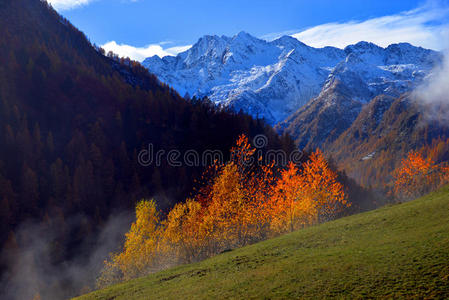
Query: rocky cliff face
x=272 y=80
x=367 y=71
x=269 y=80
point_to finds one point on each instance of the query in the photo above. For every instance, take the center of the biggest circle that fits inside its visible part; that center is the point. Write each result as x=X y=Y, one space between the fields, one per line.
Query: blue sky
x=140 y=28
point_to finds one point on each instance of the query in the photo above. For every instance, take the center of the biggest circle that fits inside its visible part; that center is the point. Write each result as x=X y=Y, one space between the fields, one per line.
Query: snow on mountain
x=266 y=79
x=367 y=71
x=272 y=80
x=324 y=118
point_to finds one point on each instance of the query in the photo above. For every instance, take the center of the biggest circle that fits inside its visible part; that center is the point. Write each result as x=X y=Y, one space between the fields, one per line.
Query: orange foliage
x=142 y=247
x=203 y=194
x=182 y=234
x=236 y=211
x=242 y=202
x=228 y=214
x=322 y=188
x=304 y=197
x=445 y=174
x=415 y=176
x=290 y=209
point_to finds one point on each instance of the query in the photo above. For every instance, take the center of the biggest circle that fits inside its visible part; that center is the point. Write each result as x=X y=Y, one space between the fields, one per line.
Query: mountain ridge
x=73 y=126
x=318 y=96
x=273 y=79
x=245 y=72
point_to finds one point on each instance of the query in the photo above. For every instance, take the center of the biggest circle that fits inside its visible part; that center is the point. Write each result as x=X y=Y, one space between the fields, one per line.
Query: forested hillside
x=72 y=123
x=384 y=132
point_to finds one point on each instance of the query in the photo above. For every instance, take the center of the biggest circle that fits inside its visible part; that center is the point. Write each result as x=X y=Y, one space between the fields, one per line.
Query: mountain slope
x=398 y=251
x=62 y=99
x=368 y=71
x=324 y=118
x=72 y=125
x=274 y=79
x=265 y=79
x=383 y=133
x=269 y=79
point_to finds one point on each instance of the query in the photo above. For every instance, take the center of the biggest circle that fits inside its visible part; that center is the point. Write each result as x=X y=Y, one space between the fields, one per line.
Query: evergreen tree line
x=72 y=122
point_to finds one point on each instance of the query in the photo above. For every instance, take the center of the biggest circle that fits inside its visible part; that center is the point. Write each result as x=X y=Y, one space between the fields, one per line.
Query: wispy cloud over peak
x=140 y=53
x=433 y=92
x=68 y=4
x=423 y=26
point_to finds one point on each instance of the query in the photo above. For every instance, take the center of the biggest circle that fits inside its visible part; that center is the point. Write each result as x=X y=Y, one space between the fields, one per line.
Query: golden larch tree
x=141 y=250
x=415 y=176
x=322 y=188
x=184 y=236
x=290 y=209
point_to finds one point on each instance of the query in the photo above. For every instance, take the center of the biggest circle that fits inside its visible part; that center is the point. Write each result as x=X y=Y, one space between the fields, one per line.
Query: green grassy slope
x=400 y=251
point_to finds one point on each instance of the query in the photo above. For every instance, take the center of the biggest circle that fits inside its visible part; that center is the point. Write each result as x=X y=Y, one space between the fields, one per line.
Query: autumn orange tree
x=415 y=176
x=306 y=196
x=289 y=208
x=322 y=187
x=445 y=174
x=256 y=181
x=226 y=216
x=142 y=248
x=184 y=237
x=242 y=201
x=235 y=212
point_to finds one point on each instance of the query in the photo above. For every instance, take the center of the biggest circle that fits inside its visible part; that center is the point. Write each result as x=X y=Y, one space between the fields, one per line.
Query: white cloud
x=61 y=5
x=140 y=53
x=436 y=88
x=67 y=4
x=433 y=93
x=423 y=26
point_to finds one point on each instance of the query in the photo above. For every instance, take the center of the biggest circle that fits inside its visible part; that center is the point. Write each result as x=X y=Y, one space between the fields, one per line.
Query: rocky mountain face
x=324 y=118
x=273 y=80
x=268 y=80
x=367 y=71
x=354 y=103
x=383 y=133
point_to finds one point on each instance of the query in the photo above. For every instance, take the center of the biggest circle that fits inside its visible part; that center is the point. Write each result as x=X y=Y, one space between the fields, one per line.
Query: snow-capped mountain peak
x=272 y=80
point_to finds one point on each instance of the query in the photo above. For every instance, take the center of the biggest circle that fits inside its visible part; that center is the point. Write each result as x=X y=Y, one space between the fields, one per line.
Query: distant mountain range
x=353 y=103
x=272 y=80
